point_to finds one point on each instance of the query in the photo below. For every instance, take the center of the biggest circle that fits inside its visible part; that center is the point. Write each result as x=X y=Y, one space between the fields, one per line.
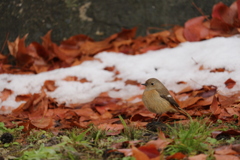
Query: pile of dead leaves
x=40 y=111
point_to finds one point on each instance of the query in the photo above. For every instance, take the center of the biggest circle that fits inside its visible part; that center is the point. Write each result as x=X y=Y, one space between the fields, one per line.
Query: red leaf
x=230 y=83
x=150 y=150
x=224 y=13
x=176 y=156
x=194 y=30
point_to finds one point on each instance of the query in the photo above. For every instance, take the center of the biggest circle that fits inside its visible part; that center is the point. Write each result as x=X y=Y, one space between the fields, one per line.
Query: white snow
x=168 y=65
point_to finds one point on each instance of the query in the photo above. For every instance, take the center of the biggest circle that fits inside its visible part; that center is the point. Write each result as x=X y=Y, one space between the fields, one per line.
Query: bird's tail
x=182 y=111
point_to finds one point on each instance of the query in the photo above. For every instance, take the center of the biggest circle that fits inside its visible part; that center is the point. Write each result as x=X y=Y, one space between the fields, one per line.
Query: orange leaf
x=24 y=97
x=50 y=85
x=215 y=108
x=230 y=83
x=5 y=94
x=176 y=156
x=92 y=48
x=139 y=155
x=190 y=101
x=178 y=31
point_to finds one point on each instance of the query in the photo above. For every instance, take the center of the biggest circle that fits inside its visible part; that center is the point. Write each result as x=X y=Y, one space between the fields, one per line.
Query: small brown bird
x=157 y=98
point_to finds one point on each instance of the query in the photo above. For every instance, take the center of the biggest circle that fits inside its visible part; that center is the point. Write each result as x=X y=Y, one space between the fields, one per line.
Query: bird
x=157 y=98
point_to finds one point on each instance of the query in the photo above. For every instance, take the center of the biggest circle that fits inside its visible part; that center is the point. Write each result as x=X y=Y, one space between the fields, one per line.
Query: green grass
x=190 y=138
x=92 y=143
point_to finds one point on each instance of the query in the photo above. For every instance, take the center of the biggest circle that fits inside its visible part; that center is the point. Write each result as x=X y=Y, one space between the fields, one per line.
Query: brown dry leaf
x=124 y=34
x=92 y=48
x=112 y=129
x=24 y=97
x=205 y=101
x=123 y=46
x=131 y=82
x=217 y=70
x=83 y=80
x=46 y=40
x=60 y=112
x=76 y=41
x=185 y=90
x=160 y=143
x=198 y=157
x=229 y=100
x=232 y=111
x=110 y=68
x=83 y=59
x=86 y=112
x=38 y=115
x=215 y=106
x=13 y=47
x=50 y=85
x=71 y=78
x=5 y=94
x=39 y=68
x=190 y=101
x=236 y=147
x=225 y=150
x=178 y=31
x=225 y=157
x=20 y=52
x=181 y=82
x=64 y=55
x=230 y=83
x=230 y=132
x=37 y=51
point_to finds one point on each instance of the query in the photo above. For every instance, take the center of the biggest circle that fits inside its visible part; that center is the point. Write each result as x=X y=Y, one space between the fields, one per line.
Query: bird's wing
x=170 y=99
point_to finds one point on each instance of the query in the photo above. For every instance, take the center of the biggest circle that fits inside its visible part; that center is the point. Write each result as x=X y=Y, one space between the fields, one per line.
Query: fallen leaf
x=215 y=108
x=225 y=157
x=150 y=150
x=230 y=83
x=139 y=155
x=225 y=150
x=194 y=30
x=50 y=85
x=5 y=94
x=198 y=157
x=176 y=156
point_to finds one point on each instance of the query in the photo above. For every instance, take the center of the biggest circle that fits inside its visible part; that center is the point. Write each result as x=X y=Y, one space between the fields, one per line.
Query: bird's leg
x=157 y=117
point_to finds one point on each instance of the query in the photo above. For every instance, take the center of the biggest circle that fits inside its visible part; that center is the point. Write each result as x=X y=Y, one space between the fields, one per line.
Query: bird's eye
x=152 y=84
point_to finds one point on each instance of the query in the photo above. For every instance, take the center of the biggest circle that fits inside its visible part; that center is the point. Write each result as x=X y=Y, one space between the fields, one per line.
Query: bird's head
x=153 y=83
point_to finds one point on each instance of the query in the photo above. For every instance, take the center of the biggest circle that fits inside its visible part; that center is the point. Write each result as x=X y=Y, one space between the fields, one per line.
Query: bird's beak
x=144 y=84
